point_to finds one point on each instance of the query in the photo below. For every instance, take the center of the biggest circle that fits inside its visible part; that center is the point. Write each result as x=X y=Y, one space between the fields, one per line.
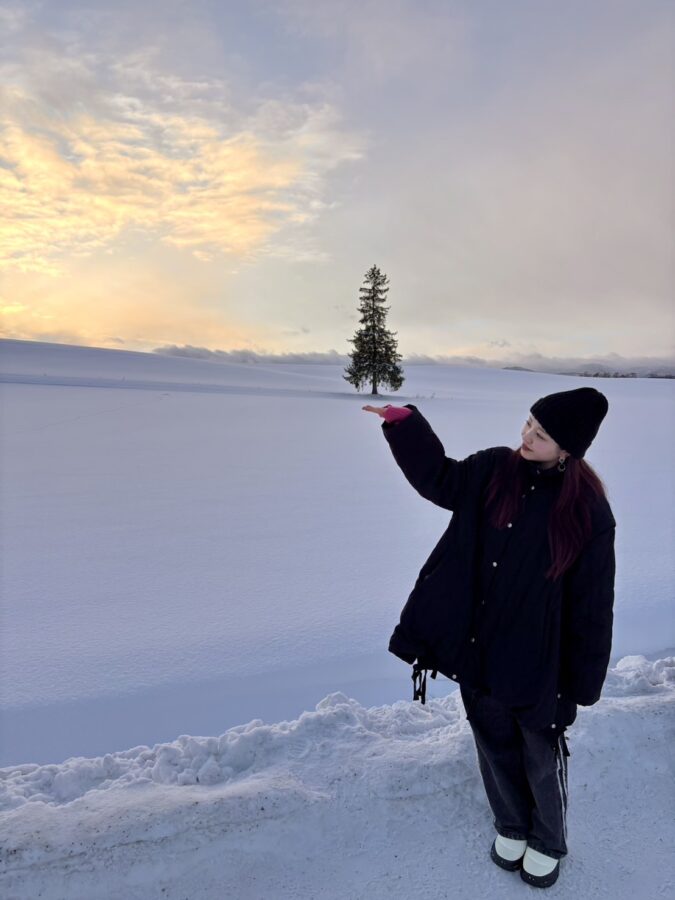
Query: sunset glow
x=224 y=178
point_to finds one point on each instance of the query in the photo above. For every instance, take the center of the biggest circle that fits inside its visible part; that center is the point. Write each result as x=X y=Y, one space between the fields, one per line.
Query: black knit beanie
x=572 y=418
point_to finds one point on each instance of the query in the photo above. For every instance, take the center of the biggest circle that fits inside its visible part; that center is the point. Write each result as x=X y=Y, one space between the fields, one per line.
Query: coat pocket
x=437 y=556
x=434 y=568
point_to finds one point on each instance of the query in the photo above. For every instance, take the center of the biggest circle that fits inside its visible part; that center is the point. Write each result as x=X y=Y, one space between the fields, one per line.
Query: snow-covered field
x=203 y=562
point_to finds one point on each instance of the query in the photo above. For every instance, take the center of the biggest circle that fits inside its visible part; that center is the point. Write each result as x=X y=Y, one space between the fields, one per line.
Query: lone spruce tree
x=374 y=357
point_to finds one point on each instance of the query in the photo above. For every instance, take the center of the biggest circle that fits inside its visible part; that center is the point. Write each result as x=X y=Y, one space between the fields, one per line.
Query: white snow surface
x=190 y=545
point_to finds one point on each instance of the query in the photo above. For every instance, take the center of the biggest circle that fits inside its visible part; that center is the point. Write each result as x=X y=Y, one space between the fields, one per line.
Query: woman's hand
x=376 y=409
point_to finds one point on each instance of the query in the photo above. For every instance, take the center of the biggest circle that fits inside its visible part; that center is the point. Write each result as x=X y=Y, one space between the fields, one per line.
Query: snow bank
x=253 y=748
x=230 y=815
x=338 y=724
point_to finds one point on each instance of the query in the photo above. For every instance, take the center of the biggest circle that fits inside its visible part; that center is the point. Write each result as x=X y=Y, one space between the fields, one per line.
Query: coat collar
x=539 y=475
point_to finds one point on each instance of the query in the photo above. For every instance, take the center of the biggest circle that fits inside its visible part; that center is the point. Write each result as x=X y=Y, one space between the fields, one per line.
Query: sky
x=223 y=175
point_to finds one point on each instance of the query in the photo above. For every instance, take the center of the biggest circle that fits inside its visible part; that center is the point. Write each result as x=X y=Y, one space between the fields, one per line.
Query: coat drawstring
x=420 y=681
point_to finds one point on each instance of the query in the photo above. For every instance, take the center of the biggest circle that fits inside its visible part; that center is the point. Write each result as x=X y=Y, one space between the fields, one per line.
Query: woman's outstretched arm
x=421 y=457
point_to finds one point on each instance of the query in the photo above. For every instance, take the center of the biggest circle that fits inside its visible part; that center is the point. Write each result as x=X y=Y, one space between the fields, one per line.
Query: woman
x=515 y=603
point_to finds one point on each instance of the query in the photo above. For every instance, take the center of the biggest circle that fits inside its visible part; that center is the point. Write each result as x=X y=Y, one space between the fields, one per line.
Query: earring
x=562 y=465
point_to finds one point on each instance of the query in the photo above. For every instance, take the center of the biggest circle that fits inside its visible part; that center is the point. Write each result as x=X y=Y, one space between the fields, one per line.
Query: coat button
x=494 y=563
x=531 y=487
x=522 y=495
x=454 y=676
x=553 y=726
x=482 y=603
x=510 y=525
x=559 y=695
x=473 y=639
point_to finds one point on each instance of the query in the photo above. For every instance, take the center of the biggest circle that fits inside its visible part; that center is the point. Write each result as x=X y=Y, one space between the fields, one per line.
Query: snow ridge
x=338 y=723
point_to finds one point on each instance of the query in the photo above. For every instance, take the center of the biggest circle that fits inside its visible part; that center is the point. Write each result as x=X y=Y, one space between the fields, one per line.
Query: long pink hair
x=569 y=525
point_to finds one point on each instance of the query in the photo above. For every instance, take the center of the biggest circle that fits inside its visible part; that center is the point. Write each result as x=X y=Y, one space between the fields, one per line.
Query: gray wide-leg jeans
x=524 y=773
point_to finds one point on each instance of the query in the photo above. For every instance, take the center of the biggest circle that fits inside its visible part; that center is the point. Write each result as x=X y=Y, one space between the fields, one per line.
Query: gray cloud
x=536 y=362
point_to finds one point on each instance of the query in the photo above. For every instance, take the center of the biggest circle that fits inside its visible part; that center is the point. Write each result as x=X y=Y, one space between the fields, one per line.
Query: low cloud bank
x=609 y=365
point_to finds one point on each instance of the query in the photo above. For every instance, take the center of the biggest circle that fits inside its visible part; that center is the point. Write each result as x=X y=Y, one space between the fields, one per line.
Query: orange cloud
x=96 y=185
x=80 y=186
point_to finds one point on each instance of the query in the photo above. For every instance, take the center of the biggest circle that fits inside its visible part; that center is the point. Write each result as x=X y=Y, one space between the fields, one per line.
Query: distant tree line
x=617 y=375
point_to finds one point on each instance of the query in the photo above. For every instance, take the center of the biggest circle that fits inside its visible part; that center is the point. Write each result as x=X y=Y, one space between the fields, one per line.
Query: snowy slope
x=196 y=548
x=183 y=560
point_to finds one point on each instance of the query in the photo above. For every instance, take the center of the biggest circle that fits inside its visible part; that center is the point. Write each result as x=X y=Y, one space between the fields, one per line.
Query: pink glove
x=396 y=413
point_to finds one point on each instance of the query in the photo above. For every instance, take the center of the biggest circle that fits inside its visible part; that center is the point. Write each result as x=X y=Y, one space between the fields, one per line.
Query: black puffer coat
x=481 y=611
